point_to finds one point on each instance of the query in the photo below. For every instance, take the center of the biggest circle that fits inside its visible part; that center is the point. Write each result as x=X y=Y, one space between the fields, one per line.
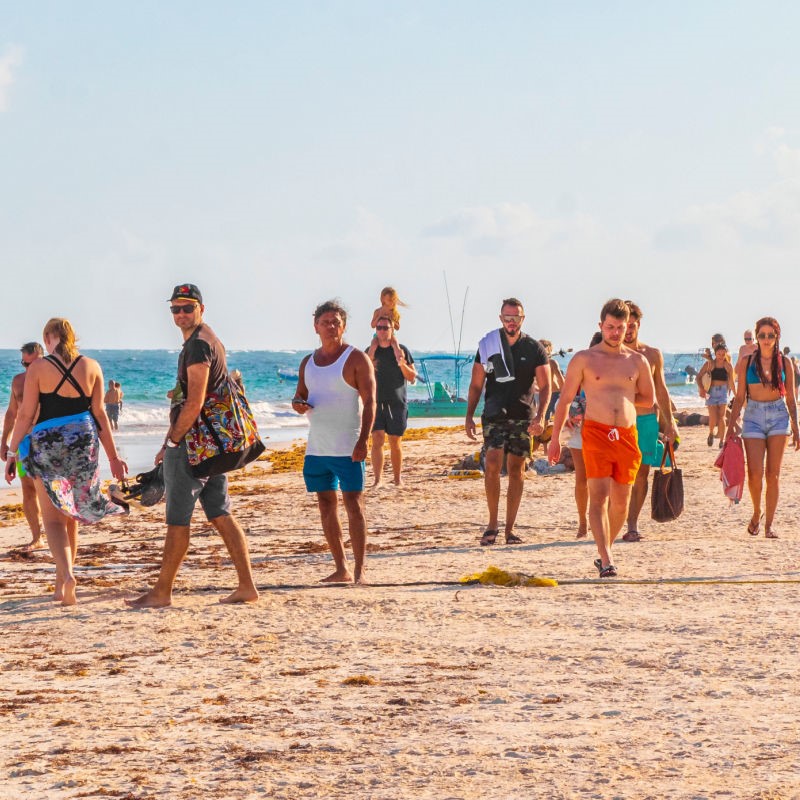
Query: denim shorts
x=762 y=420
x=717 y=395
x=183 y=490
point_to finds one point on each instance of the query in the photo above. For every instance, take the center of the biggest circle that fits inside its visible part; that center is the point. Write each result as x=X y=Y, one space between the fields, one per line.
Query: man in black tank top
x=201 y=368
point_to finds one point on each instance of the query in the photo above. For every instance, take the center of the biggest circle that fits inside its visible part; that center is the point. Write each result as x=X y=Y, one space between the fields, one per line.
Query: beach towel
x=732 y=468
x=495 y=356
x=64 y=452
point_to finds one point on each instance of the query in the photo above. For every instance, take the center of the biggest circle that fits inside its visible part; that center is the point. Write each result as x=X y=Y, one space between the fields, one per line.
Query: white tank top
x=335 y=419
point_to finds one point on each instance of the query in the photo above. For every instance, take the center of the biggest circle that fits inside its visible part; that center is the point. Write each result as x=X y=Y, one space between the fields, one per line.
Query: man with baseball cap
x=201 y=366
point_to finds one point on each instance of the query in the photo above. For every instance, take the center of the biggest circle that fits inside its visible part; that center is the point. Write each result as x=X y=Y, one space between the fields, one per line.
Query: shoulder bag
x=666 y=497
x=225 y=435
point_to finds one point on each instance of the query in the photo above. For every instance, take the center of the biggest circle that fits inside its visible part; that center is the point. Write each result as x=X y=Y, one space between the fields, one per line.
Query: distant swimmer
x=336 y=389
x=649 y=421
x=394 y=368
x=112 y=400
x=30 y=505
x=507 y=363
x=616 y=380
x=201 y=369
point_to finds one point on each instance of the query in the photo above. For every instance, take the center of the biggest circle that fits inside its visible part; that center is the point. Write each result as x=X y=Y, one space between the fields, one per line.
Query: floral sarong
x=64 y=452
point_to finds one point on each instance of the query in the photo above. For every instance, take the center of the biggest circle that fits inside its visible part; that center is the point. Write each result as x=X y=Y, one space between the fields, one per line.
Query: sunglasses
x=748 y=338
x=767 y=336
x=25 y=364
x=187 y=309
x=512 y=317
x=382 y=328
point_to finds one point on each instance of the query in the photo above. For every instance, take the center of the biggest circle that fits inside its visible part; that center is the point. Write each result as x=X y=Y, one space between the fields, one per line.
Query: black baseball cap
x=186 y=291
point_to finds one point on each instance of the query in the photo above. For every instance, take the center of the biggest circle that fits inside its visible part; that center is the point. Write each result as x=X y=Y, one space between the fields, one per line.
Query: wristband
x=170 y=443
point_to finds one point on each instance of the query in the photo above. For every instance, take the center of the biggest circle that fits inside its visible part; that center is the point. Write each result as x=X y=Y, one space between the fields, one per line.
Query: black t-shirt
x=514 y=399
x=389 y=378
x=202 y=347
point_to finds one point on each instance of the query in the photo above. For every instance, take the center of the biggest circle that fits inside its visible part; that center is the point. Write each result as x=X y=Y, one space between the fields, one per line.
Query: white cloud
x=11 y=59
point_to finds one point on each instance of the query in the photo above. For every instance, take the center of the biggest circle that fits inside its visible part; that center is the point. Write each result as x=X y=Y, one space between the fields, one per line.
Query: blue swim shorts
x=327 y=473
x=765 y=419
x=647 y=432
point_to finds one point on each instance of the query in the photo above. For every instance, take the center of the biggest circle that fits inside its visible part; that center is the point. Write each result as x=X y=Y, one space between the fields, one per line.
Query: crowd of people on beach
x=611 y=410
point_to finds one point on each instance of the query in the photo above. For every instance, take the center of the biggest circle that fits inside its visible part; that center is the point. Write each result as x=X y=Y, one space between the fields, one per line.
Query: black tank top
x=719 y=374
x=52 y=404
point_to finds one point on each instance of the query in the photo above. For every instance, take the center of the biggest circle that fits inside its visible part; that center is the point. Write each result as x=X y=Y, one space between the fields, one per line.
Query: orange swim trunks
x=610 y=452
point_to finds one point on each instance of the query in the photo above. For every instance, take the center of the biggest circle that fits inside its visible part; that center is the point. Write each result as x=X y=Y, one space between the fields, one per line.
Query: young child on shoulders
x=388 y=308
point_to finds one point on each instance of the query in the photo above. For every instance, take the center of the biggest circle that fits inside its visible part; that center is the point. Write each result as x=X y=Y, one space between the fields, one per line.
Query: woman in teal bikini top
x=768 y=389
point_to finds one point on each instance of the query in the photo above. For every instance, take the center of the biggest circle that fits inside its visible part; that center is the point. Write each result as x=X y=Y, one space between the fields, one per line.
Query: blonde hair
x=391 y=293
x=66 y=347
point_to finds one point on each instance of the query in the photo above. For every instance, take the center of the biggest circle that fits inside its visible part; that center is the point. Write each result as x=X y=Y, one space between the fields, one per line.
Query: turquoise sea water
x=147 y=375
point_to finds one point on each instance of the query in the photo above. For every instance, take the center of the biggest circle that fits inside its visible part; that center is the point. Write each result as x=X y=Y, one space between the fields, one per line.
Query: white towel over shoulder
x=493 y=356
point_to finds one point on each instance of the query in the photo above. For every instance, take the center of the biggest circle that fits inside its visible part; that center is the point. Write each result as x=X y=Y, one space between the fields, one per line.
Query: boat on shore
x=683 y=369
x=444 y=399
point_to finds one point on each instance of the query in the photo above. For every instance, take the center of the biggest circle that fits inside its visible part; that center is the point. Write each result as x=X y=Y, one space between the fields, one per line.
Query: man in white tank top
x=336 y=388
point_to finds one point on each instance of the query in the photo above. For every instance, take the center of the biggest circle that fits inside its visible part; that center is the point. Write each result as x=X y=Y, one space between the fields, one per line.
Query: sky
x=281 y=154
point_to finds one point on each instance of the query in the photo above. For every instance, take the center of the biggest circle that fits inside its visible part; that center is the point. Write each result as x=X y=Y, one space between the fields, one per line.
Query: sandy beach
x=679 y=679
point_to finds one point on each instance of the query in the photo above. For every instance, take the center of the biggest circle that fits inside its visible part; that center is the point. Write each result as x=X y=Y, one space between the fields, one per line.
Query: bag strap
x=669 y=450
x=66 y=375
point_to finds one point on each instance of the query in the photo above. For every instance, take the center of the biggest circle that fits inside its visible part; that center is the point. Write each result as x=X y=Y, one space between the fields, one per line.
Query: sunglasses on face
x=766 y=336
x=512 y=317
x=25 y=364
x=382 y=328
x=748 y=338
x=187 y=309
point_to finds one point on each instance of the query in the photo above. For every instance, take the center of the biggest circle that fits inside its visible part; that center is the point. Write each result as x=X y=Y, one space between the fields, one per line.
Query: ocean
x=147 y=375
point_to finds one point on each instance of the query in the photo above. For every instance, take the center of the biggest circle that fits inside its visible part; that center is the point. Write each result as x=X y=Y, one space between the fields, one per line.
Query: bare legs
x=30 y=507
x=756 y=449
x=581 y=491
x=378 y=439
x=716 y=419
x=515 y=466
x=176 y=546
x=357 y=525
x=638 y=496
x=395 y=455
x=608 y=507
x=62 y=537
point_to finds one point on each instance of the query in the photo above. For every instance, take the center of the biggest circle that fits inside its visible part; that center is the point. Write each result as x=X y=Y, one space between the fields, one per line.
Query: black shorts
x=392 y=418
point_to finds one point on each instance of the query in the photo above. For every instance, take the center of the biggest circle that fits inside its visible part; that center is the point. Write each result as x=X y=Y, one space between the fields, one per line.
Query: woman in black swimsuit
x=62 y=450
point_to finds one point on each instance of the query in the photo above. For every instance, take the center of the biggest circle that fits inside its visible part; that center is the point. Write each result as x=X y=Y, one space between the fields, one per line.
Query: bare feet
x=150 y=600
x=377 y=484
x=770 y=534
x=246 y=595
x=36 y=544
x=58 y=594
x=340 y=576
x=582 y=532
x=69 y=596
x=398 y=482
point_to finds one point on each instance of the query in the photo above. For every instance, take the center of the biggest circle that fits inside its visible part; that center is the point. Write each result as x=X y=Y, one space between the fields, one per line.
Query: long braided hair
x=777 y=368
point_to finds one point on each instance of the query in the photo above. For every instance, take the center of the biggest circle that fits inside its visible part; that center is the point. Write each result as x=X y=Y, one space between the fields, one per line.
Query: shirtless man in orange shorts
x=615 y=380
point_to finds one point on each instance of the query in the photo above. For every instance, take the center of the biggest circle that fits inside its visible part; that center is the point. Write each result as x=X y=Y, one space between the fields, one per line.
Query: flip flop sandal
x=512 y=538
x=608 y=572
x=770 y=534
x=489 y=537
x=598 y=565
x=632 y=536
